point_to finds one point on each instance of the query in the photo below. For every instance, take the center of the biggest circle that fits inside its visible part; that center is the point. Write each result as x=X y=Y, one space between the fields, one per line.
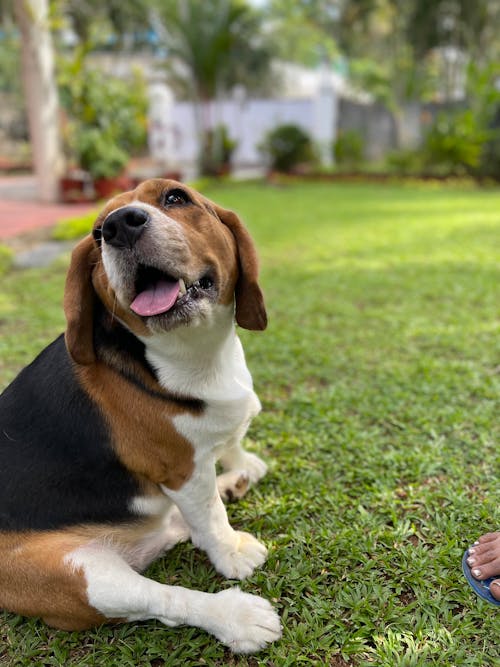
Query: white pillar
x=161 y=137
x=325 y=109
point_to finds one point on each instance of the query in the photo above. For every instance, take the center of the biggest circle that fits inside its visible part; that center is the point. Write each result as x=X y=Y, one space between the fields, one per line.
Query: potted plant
x=99 y=155
x=106 y=123
x=218 y=148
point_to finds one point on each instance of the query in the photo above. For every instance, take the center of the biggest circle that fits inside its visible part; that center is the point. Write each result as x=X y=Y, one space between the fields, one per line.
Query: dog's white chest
x=220 y=379
x=222 y=421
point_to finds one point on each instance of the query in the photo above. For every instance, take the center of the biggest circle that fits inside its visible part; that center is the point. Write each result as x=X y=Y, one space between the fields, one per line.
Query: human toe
x=488 y=537
x=488 y=542
x=484 y=566
x=495 y=589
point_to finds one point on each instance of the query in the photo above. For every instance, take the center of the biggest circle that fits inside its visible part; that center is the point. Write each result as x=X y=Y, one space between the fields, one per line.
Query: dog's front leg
x=234 y=554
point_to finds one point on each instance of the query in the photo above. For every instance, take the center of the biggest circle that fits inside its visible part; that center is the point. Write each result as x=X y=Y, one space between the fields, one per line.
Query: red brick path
x=17 y=217
x=20 y=212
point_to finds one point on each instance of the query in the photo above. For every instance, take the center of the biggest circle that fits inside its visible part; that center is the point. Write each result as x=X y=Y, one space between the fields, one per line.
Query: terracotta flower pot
x=107 y=187
x=76 y=187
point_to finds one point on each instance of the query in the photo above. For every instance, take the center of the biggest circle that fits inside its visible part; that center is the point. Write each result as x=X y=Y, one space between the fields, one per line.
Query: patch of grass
x=5 y=259
x=72 y=228
x=380 y=382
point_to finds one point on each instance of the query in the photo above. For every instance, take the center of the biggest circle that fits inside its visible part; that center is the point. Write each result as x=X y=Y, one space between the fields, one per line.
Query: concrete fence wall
x=173 y=138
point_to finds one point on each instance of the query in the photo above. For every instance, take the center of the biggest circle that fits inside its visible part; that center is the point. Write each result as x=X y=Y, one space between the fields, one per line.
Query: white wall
x=174 y=143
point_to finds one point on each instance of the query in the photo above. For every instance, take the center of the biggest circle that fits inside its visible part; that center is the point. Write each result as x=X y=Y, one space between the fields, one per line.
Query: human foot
x=483 y=559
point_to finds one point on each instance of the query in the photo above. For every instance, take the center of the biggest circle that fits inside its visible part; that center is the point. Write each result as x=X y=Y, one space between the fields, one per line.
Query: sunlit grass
x=380 y=382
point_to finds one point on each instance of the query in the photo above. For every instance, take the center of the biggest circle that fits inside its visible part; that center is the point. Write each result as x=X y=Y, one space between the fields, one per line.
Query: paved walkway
x=21 y=213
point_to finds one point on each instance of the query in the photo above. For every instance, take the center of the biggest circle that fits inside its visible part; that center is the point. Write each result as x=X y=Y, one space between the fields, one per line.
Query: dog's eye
x=176 y=198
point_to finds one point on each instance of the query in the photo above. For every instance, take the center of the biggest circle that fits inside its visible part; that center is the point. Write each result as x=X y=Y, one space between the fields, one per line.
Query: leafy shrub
x=6 y=257
x=489 y=166
x=484 y=98
x=106 y=117
x=405 y=162
x=287 y=147
x=72 y=228
x=98 y=153
x=348 y=149
x=454 y=143
x=217 y=151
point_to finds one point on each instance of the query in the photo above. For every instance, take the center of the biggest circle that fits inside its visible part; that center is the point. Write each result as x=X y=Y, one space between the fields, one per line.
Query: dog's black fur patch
x=57 y=466
x=116 y=346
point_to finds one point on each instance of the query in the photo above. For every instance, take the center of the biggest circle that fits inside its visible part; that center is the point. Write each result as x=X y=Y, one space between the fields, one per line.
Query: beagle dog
x=109 y=439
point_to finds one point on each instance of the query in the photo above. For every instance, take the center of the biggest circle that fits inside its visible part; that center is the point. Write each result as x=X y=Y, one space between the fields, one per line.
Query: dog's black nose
x=123 y=227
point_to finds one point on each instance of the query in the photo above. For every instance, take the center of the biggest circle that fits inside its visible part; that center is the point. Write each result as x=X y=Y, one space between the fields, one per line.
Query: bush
x=489 y=166
x=405 y=162
x=484 y=98
x=98 y=153
x=106 y=117
x=454 y=143
x=286 y=147
x=73 y=228
x=348 y=149
x=6 y=257
x=217 y=152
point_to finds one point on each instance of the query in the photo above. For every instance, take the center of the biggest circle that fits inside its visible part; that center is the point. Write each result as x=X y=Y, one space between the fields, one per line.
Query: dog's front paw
x=249 y=622
x=240 y=558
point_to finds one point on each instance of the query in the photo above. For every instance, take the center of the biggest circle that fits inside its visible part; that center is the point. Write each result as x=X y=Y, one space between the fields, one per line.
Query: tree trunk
x=40 y=91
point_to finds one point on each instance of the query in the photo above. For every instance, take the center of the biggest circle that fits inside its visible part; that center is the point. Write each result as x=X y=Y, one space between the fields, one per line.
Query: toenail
x=495 y=583
x=471 y=550
x=471 y=561
x=476 y=573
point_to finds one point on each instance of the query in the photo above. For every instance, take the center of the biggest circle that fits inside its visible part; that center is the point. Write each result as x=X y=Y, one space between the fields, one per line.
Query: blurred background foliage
x=395 y=51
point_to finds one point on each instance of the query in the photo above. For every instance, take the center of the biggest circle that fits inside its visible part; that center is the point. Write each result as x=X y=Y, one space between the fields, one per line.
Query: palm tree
x=212 y=47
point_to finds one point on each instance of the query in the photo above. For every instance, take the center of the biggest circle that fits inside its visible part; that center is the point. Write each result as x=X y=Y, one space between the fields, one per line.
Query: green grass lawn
x=380 y=381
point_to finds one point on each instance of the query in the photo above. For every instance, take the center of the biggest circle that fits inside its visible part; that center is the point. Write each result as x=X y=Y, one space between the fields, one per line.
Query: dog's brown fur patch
x=143 y=435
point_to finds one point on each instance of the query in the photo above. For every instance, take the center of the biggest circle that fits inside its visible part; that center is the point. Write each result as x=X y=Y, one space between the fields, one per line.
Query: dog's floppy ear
x=79 y=298
x=250 y=308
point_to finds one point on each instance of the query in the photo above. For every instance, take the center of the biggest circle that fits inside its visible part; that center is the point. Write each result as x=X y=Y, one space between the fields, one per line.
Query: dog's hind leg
x=233 y=485
x=246 y=623
x=236 y=458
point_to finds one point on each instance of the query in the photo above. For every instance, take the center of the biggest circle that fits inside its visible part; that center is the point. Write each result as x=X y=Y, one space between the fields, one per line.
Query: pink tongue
x=156 y=299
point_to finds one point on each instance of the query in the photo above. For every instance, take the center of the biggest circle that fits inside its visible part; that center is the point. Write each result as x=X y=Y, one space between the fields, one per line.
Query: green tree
x=112 y=22
x=402 y=50
x=211 y=48
x=105 y=114
x=9 y=51
x=336 y=25
x=371 y=34
x=469 y=26
x=299 y=33
x=455 y=32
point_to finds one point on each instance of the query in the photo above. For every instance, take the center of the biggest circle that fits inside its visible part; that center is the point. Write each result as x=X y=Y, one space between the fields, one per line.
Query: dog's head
x=160 y=257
